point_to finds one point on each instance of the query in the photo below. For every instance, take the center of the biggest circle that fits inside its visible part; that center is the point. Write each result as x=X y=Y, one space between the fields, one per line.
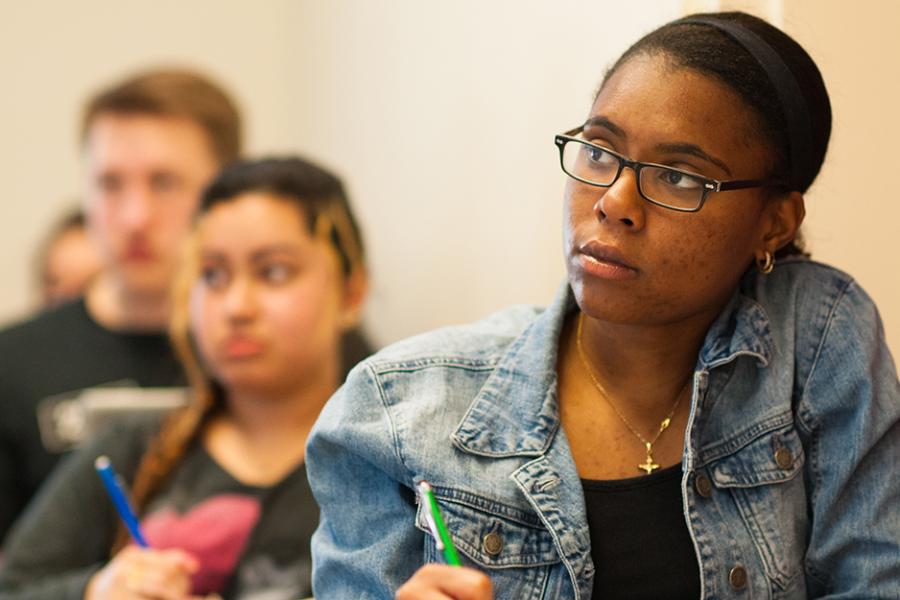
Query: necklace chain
x=648 y=466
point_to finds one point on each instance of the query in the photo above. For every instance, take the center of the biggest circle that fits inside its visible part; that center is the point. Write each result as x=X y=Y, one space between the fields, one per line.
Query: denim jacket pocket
x=764 y=477
x=509 y=543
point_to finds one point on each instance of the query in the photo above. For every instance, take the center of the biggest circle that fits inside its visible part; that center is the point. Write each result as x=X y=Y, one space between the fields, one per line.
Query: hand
x=442 y=582
x=143 y=574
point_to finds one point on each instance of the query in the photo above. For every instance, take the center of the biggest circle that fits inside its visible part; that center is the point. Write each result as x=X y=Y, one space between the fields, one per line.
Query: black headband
x=789 y=94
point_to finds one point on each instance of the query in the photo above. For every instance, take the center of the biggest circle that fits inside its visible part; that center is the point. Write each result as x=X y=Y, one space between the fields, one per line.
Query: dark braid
x=181 y=429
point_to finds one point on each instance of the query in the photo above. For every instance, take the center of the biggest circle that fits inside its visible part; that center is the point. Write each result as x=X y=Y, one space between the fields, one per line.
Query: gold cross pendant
x=649 y=466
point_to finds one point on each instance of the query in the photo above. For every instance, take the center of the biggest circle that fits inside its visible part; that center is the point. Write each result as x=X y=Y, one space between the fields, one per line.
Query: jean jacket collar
x=526 y=377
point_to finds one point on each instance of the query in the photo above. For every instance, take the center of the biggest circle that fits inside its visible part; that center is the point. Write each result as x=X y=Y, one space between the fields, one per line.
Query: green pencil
x=442 y=538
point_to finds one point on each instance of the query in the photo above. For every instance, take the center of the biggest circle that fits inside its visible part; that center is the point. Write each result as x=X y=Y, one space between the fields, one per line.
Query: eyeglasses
x=664 y=186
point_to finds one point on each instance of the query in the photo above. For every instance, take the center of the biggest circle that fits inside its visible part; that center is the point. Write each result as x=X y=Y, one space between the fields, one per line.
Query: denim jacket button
x=738 y=577
x=783 y=458
x=703 y=485
x=493 y=543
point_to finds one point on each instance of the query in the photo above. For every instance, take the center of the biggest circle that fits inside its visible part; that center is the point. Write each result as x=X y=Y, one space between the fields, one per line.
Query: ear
x=355 y=290
x=782 y=217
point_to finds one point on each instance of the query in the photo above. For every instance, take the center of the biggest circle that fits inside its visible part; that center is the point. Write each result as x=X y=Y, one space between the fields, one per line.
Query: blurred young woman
x=702 y=412
x=67 y=261
x=274 y=279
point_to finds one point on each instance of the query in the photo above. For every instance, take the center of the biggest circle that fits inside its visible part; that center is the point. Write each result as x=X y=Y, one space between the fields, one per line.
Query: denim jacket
x=791 y=486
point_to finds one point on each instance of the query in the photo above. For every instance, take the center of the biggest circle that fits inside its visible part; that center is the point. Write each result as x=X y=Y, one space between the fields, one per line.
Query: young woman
x=701 y=412
x=274 y=278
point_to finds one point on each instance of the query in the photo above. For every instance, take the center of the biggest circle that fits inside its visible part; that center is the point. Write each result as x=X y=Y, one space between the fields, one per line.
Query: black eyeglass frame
x=709 y=185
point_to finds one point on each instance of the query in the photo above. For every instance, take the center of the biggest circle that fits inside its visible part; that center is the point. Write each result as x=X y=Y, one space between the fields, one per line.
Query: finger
x=174 y=564
x=180 y=559
x=458 y=583
x=151 y=589
x=157 y=578
x=172 y=557
x=419 y=590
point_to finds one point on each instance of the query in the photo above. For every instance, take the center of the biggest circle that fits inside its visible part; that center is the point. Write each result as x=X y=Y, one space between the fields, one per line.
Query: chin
x=612 y=304
x=146 y=282
x=247 y=383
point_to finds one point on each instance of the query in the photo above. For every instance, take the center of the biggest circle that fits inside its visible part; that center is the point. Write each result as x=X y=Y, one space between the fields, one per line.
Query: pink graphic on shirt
x=214 y=531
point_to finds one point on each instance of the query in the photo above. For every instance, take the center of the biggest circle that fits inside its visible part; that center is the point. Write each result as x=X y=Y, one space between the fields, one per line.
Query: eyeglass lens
x=659 y=184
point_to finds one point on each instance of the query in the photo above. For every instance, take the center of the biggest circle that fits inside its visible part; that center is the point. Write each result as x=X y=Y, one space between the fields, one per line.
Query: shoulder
x=38 y=356
x=826 y=331
x=805 y=300
x=801 y=281
x=480 y=343
x=53 y=337
x=420 y=386
x=444 y=368
x=42 y=325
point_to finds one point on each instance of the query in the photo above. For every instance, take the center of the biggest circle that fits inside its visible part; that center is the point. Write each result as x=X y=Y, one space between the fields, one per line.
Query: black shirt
x=640 y=543
x=45 y=361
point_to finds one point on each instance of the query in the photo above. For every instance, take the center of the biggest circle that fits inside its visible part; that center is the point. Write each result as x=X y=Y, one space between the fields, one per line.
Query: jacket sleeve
x=366 y=544
x=66 y=533
x=850 y=406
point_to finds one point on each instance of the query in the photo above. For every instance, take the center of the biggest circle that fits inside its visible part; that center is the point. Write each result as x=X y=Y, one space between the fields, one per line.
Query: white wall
x=440 y=116
x=443 y=116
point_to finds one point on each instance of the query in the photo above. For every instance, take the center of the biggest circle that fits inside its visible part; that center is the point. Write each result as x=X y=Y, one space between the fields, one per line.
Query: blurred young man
x=150 y=144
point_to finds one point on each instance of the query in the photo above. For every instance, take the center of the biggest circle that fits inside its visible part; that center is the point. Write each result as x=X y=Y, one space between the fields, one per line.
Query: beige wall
x=53 y=54
x=853 y=209
x=440 y=115
x=853 y=216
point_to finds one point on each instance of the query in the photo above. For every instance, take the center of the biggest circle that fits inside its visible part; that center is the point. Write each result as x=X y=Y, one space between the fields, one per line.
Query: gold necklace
x=648 y=466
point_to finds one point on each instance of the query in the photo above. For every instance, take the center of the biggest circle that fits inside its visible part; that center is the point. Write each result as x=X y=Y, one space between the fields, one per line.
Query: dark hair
x=174 y=93
x=706 y=48
x=71 y=219
x=316 y=192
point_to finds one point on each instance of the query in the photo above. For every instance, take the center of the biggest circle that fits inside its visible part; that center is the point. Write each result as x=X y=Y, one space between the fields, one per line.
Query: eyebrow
x=268 y=251
x=606 y=124
x=693 y=150
x=671 y=148
x=256 y=256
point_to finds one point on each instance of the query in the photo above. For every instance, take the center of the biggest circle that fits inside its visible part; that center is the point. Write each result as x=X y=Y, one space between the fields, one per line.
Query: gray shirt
x=252 y=542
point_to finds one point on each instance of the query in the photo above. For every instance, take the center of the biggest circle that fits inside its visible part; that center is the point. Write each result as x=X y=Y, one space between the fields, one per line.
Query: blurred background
x=440 y=117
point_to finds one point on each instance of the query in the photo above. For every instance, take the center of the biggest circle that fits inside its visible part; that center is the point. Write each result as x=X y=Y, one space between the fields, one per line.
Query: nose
x=240 y=300
x=136 y=209
x=621 y=203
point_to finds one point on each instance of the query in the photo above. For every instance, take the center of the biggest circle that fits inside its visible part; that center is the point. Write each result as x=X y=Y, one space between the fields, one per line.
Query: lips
x=239 y=346
x=139 y=252
x=605 y=261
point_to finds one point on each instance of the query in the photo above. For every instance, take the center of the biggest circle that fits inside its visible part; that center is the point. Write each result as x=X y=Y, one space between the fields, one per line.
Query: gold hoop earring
x=766 y=263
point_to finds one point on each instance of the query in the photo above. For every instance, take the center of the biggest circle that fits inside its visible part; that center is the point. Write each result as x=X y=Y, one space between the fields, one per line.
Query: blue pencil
x=117 y=494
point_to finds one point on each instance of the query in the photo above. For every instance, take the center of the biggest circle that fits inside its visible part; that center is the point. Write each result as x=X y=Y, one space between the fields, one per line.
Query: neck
x=115 y=307
x=272 y=415
x=648 y=367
